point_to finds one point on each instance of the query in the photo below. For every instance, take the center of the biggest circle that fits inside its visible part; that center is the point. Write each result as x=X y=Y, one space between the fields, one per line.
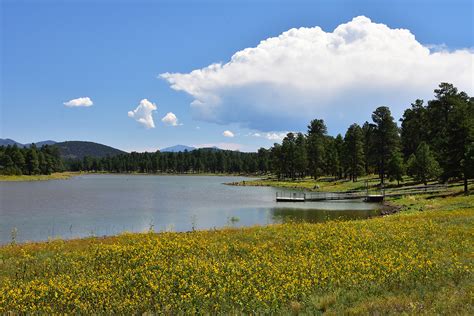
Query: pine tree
x=422 y=165
x=32 y=163
x=369 y=156
x=354 y=146
x=460 y=137
x=386 y=139
x=315 y=141
x=396 y=169
x=413 y=128
x=301 y=159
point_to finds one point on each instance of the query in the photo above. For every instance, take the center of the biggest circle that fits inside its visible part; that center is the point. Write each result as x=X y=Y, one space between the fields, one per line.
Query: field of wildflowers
x=420 y=262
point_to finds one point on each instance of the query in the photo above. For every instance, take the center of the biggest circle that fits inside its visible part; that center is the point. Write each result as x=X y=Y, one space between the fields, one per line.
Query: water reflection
x=285 y=215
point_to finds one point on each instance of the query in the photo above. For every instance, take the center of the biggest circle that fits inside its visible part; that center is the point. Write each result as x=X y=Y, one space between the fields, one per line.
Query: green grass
x=307 y=184
x=325 y=184
x=40 y=177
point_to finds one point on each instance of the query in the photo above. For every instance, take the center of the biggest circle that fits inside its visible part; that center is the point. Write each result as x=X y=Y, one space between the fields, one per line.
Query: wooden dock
x=290 y=197
x=318 y=196
x=368 y=196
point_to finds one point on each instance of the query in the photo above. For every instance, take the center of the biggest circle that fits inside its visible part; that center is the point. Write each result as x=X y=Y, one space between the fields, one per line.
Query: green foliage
x=196 y=161
x=396 y=168
x=317 y=132
x=29 y=161
x=354 y=152
x=446 y=124
x=413 y=128
x=422 y=165
x=385 y=139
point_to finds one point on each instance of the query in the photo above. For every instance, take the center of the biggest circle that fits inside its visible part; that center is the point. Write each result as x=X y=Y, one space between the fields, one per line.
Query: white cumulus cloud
x=84 y=101
x=143 y=114
x=306 y=73
x=228 y=134
x=170 y=119
x=277 y=136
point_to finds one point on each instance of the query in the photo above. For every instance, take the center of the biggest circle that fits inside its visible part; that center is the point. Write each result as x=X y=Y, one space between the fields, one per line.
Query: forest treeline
x=30 y=160
x=434 y=141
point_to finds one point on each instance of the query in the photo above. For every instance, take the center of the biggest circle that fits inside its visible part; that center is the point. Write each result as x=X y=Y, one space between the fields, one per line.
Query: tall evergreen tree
x=396 y=168
x=413 y=128
x=301 y=159
x=386 y=139
x=354 y=152
x=315 y=141
x=32 y=162
x=422 y=165
x=369 y=150
x=339 y=146
x=460 y=137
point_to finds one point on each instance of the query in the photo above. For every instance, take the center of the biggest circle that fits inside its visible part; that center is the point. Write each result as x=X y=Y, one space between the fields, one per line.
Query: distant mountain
x=45 y=142
x=177 y=148
x=80 y=149
x=11 y=142
x=8 y=141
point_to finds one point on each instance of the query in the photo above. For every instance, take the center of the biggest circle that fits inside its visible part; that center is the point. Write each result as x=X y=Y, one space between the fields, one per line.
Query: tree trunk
x=466 y=189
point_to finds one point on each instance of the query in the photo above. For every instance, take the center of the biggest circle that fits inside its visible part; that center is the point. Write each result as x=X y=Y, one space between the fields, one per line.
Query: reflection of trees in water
x=285 y=215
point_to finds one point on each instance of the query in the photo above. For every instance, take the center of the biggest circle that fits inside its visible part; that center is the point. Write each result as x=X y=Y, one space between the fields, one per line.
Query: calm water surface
x=109 y=204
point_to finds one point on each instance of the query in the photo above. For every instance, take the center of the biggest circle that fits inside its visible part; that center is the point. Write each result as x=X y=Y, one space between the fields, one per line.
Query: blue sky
x=115 y=51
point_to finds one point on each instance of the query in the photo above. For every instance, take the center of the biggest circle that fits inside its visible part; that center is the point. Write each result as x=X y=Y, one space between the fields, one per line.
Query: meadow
x=417 y=261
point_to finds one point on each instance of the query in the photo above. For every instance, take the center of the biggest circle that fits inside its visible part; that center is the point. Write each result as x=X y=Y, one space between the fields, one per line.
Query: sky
x=144 y=75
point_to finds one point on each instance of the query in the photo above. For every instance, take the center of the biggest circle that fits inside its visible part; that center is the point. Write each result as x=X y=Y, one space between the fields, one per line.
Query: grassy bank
x=412 y=262
x=39 y=177
x=331 y=185
x=309 y=184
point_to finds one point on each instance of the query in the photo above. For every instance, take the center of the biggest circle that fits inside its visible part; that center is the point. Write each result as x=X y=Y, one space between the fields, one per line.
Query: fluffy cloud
x=85 y=102
x=143 y=114
x=308 y=73
x=277 y=136
x=170 y=119
x=228 y=134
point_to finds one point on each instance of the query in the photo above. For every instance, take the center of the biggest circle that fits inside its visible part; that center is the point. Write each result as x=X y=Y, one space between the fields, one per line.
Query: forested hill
x=11 y=142
x=81 y=149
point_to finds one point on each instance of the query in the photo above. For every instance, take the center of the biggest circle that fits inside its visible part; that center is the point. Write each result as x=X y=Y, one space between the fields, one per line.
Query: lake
x=96 y=205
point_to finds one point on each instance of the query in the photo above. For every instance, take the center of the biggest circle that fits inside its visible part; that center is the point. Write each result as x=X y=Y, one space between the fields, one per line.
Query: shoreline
x=70 y=174
x=39 y=177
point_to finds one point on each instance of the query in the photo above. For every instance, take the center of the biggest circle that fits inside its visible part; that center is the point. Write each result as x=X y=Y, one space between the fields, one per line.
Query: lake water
x=110 y=204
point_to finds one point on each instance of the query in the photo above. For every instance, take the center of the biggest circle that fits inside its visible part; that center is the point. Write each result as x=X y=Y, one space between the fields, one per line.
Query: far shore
x=69 y=174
